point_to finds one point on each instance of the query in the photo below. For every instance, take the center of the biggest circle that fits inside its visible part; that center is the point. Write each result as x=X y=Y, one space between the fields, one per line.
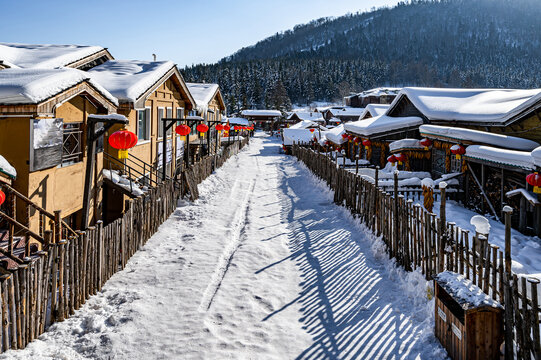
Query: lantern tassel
x=458 y=156
x=537 y=189
x=122 y=154
x=426 y=148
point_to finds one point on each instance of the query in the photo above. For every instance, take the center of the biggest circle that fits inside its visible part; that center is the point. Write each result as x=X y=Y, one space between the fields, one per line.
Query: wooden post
x=5 y=313
x=57 y=226
x=508 y=211
x=443 y=227
x=357 y=165
x=535 y=317
x=395 y=215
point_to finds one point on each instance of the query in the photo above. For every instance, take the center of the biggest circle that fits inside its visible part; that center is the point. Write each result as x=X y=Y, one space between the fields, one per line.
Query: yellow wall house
x=147 y=92
x=210 y=106
x=43 y=114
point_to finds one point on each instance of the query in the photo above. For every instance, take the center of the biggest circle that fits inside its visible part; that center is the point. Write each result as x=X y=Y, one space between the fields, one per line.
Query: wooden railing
x=417 y=239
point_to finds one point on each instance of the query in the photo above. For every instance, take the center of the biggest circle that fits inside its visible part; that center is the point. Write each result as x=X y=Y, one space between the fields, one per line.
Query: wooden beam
x=483 y=192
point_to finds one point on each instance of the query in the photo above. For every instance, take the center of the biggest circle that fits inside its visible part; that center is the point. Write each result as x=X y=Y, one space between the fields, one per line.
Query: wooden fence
x=417 y=238
x=56 y=281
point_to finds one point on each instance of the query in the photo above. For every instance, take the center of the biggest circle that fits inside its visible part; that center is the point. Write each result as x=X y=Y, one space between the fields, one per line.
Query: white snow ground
x=262 y=266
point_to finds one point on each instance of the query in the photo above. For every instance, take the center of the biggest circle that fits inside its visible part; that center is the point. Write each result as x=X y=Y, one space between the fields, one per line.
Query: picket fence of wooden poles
x=418 y=239
x=57 y=280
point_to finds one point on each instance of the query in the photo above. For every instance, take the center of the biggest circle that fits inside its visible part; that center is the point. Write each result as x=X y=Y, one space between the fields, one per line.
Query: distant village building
x=263 y=119
x=373 y=96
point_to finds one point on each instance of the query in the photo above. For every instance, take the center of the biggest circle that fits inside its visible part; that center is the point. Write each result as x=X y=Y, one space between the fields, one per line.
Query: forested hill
x=465 y=43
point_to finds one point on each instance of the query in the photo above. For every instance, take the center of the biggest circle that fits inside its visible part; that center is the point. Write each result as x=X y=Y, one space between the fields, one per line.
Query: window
x=71 y=145
x=456 y=164
x=180 y=114
x=169 y=112
x=143 y=124
x=438 y=162
x=160 y=125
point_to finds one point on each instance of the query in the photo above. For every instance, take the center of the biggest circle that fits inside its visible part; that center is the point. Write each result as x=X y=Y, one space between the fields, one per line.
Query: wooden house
x=147 y=92
x=263 y=119
x=41 y=56
x=343 y=113
x=210 y=106
x=372 y=110
x=42 y=134
x=298 y=116
x=373 y=96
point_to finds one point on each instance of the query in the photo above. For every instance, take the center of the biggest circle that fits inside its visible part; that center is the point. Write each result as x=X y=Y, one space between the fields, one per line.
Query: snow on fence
x=416 y=239
x=56 y=281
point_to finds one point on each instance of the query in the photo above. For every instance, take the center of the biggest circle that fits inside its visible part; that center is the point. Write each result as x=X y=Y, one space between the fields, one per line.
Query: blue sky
x=186 y=32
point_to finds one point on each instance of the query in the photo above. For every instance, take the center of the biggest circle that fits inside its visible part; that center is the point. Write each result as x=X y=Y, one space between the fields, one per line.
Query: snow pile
x=6 y=168
x=43 y=56
x=461 y=134
x=382 y=124
x=346 y=112
x=124 y=182
x=262 y=113
x=236 y=121
x=226 y=139
x=129 y=79
x=335 y=135
x=470 y=105
x=536 y=157
x=380 y=91
x=519 y=159
x=375 y=110
x=464 y=291
x=203 y=94
x=481 y=223
x=428 y=183
x=405 y=144
x=300 y=135
x=31 y=86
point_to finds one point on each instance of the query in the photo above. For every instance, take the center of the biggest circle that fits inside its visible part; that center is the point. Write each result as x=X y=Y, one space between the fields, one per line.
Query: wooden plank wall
x=55 y=282
x=411 y=235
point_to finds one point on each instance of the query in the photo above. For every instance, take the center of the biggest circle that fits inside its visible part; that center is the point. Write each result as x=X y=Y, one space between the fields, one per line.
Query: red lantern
x=344 y=136
x=2 y=197
x=426 y=143
x=458 y=150
x=123 y=140
x=236 y=128
x=392 y=159
x=312 y=130
x=357 y=140
x=202 y=128
x=227 y=128
x=367 y=143
x=400 y=158
x=219 y=128
x=183 y=130
x=535 y=181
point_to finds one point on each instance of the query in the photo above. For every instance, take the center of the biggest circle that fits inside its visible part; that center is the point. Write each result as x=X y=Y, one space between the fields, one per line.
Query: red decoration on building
x=458 y=150
x=400 y=158
x=219 y=127
x=426 y=143
x=357 y=140
x=392 y=159
x=227 y=128
x=202 y=128
x=312 y=130
x=535 y=181
x=2 y=197
x=122 y=140
x=344 y=136
x=183 y=130
x=367 y=143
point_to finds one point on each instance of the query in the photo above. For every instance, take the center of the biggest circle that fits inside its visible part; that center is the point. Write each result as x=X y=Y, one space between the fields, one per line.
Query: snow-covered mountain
x=486 y=43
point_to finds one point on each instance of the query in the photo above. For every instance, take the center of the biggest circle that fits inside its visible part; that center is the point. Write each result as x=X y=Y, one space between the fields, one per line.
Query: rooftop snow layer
x=31 y=86
x=403 y=144
x=347 y=111
x=380 y=91
x=380 y=124
x=375 y=109
x=519 y=159
x=236 y=121
x=305 y=115
x=475 y=105
x=129 y=79
x=261 y=113
x=536 y=156
x=6 y=168
x=202 y=94
x=335 y=135
x=464 y=291
x=454 y=133
x=300 y=135
x=43 y=56
x=306 y=124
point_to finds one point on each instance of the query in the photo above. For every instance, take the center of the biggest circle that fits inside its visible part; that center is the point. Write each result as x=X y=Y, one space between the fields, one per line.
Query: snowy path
x=262 y=266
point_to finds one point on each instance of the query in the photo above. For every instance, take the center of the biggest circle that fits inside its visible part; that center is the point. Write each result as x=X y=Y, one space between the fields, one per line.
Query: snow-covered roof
x=404 y=144
x=203 y=94
x=536 y=156
x=130 y=79
x=380 y=91
x=236 y=121
x=470 y=105
x=335 y=135
x=6 y=168
x=381 y=124
x=305 y=115
x=375 y=110
x=305 y=124
x=267 y=113
x=518 y=159
x=464 y=291
x=32 y=86
x=43 y=56
x=461 y=134
x=347 y=111
x=299 y=135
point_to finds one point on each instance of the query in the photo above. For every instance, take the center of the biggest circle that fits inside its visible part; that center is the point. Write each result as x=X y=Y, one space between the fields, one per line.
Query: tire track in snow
x=237 y=230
